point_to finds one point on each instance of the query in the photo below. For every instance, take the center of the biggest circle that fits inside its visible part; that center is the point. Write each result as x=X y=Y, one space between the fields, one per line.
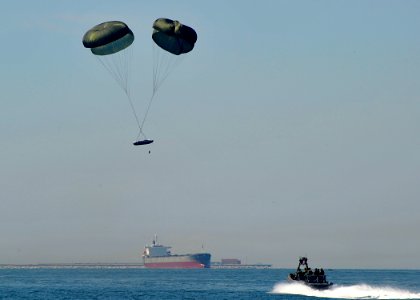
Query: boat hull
x=314 y=285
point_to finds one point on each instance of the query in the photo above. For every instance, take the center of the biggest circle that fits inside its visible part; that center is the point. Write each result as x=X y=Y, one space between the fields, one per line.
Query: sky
x=291 y=129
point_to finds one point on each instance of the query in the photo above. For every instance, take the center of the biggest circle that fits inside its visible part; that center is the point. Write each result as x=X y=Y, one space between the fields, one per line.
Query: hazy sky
x=291 y=129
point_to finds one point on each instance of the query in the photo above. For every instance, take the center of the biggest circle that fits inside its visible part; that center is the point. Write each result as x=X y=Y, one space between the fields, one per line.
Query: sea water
x=136 y=283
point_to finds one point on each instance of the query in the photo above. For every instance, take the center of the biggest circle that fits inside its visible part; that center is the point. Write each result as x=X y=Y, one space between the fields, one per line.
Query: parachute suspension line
x=145 y=116
x=154 y=90
x=115 y=67
x=134 y=111
x=119 y=66
x=163 y=65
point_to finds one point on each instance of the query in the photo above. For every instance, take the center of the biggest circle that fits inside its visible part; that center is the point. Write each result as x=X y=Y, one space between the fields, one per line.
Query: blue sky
x=291 y=129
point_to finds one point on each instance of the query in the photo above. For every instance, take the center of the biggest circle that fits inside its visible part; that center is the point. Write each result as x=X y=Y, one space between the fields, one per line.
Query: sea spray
x=359 y=291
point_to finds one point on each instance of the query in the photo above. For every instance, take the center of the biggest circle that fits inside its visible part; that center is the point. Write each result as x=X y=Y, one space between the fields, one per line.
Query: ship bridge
x=156 y=250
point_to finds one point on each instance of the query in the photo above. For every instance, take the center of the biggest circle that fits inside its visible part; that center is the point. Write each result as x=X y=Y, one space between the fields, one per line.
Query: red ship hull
x=175 y=265
x=188 y=261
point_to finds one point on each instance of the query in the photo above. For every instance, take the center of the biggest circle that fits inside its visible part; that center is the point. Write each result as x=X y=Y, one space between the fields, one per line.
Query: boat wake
x=360 y=291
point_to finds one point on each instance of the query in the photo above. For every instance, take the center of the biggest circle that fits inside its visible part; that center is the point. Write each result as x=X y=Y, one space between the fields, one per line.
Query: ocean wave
x=359 y=291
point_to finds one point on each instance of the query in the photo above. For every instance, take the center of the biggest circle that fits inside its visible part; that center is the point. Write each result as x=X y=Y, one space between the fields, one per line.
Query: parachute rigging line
x=163 y=65
x=119 y=67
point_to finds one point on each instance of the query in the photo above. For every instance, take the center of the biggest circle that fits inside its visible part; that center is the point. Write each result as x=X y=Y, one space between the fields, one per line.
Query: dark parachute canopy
x=108 y=38
x=173 y=36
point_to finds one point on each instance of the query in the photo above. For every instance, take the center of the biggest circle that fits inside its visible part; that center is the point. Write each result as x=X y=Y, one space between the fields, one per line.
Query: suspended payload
x=173 y=36
x=142 y=142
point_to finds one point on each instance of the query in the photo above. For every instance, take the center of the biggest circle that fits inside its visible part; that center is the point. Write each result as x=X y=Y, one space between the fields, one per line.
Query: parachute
x=175 y=39
x=171 y=39
x=110 y=43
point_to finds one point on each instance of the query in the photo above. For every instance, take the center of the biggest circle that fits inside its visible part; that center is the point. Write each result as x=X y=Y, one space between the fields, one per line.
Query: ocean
x=221 y=284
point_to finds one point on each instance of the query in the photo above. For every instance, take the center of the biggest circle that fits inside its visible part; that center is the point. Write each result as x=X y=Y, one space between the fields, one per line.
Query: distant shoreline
x=114 y=266
x=73 y=265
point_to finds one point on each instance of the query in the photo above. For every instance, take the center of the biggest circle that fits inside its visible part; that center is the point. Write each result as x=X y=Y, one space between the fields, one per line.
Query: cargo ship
x=159 y=257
